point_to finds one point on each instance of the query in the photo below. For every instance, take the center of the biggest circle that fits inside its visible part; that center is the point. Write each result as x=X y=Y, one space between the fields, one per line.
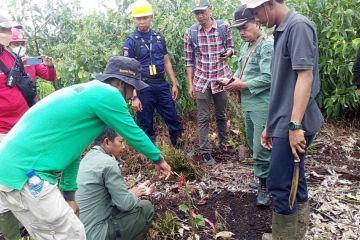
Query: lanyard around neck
x=149 y=47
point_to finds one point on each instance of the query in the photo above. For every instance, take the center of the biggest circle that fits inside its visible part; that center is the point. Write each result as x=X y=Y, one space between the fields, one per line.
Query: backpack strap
x=4 y=69
x=222 y=31
x=194 y=35
x=19 y=63
x=194 y=39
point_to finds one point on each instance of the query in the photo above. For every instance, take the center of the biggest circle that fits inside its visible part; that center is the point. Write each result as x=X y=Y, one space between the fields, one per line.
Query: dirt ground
x=225 y=199
x=333 y=166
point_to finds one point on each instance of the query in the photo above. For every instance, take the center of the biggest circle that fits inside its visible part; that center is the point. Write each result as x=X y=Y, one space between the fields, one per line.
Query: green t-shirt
x=51 y=136
x=256 y=75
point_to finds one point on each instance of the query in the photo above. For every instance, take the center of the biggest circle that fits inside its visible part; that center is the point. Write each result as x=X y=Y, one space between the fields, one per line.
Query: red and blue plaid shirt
x=208 y=66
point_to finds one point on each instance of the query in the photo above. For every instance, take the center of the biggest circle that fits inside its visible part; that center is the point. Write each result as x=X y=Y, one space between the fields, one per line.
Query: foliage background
x=82 y=43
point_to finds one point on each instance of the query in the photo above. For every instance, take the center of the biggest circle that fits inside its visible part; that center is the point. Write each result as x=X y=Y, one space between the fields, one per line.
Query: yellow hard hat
x=141 y=8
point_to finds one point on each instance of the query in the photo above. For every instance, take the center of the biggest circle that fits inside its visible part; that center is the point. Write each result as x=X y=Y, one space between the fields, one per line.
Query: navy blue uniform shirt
x=158 y=49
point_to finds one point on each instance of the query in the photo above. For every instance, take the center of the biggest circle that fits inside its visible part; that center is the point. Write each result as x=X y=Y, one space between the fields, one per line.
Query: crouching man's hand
x=143 y=189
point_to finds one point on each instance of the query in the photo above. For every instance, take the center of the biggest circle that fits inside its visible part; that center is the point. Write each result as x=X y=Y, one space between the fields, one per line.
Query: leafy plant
x=44 y=88
x=167 y=226
x=339 y=39
x=188 y=209
x=181 y=163
x=82 y=43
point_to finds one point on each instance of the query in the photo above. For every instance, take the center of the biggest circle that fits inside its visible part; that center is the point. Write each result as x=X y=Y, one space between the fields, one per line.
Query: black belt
x=157 y=78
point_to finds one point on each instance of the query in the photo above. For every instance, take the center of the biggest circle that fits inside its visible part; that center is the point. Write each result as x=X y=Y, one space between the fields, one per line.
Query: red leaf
x=181 y=180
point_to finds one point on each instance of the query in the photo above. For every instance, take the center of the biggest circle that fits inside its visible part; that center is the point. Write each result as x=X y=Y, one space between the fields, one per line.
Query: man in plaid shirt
x=206 y=52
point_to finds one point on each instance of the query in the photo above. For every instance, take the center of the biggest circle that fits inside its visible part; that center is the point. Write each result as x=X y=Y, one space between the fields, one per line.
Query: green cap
x=200 y=5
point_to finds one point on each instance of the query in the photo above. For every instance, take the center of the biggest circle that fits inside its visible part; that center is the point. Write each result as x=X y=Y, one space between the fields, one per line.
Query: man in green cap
x=253 y=79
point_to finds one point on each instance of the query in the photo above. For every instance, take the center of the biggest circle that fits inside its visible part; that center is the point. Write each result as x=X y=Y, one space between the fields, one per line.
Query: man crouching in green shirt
x=108 y=209
x=253 y=79
x=50 y=138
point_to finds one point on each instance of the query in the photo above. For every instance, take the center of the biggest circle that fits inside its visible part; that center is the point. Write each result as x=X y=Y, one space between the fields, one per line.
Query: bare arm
x=301 y=94
x=190 y=74
x=171 y=75
x=301 y=99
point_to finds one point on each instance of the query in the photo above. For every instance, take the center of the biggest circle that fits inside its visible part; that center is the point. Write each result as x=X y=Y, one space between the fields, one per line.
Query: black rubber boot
x=263 y=198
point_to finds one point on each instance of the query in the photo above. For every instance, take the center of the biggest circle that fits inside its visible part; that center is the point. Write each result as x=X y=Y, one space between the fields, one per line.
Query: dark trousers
x=281 y=174
x=158 y=96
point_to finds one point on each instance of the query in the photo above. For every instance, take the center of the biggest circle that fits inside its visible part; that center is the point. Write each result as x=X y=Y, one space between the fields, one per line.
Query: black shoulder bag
x=18 y=77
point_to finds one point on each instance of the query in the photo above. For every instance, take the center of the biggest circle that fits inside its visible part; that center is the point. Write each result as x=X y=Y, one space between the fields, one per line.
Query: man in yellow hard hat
x=149 y=48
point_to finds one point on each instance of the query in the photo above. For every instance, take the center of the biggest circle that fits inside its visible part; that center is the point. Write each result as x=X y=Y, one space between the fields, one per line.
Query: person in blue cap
x=149 y=48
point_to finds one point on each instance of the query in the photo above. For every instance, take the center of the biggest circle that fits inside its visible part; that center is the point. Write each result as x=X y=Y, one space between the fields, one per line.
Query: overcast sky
x=87 y=5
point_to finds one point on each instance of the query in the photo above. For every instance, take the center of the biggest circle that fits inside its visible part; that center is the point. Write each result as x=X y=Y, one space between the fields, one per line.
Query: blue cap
x=30 y=173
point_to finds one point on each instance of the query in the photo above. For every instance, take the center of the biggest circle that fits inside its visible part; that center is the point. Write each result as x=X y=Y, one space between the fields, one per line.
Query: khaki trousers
x=9 y=225
x=46 y=217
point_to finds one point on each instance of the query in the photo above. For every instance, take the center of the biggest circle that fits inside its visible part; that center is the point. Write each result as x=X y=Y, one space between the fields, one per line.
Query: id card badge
x=152 y=69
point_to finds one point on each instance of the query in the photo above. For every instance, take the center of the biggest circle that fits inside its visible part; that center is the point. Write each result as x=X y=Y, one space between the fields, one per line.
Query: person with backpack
x=207 y=45
x=149 y=48
x=253 y=79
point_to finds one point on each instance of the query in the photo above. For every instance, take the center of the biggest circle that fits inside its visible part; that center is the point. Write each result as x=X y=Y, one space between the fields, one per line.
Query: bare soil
x=335 y=152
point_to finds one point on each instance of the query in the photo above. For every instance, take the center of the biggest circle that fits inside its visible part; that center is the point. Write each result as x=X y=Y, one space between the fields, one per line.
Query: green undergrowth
x=181 y=163
x=167 y=226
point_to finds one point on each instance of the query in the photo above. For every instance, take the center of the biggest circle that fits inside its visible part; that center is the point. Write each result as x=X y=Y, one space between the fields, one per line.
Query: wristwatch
x=294 y=126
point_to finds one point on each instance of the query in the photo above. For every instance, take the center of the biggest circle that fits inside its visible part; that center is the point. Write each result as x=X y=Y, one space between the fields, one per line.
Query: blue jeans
x=158 y=96
x=281 y=173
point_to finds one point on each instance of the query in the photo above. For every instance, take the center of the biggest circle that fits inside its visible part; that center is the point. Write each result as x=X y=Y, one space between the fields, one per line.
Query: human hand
x=192 y=92
x=266 y=142
x=297 y=142
x=75 y=207
x=136 y=104
x=138 y=191
x=175 y=92
x=235 y=85
x=163 y=169
x=149 y=188
x=47 y=61
x=24 y=59
x=226 y=54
